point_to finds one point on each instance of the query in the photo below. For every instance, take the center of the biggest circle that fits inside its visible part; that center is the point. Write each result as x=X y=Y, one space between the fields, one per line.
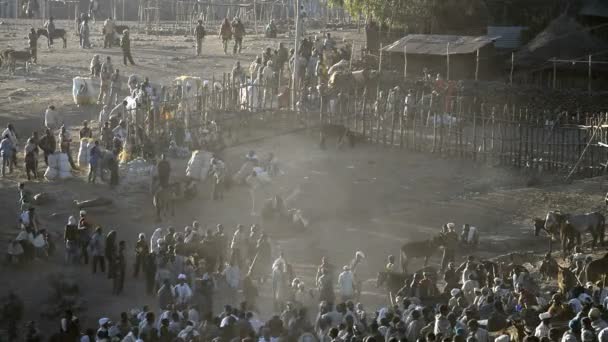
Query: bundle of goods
x=59 y=167
x=199 y=165
x=136 y=171
x=85 y=90
x=84 y=152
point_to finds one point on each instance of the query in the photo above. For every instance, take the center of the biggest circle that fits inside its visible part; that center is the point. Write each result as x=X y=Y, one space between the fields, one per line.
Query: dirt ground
x=368 y=199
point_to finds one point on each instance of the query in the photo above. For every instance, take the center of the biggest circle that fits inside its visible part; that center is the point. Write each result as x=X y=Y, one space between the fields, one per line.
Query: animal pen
x=461 y=127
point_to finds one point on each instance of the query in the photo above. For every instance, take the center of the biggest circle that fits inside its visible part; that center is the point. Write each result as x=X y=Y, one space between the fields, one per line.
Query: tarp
x=436 y=44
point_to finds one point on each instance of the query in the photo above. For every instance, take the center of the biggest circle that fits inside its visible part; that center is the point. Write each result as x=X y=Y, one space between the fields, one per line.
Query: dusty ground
x=368 y=199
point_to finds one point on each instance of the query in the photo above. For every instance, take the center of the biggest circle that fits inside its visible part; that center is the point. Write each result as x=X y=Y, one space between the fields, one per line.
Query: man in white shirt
x=542 y=330
x=182 y=291
x=52 y=120
x=104 y=115
x=346 y=284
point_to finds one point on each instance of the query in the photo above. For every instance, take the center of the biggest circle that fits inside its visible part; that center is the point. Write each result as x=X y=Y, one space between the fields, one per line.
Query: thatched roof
x=563 y=38
x=436 y=44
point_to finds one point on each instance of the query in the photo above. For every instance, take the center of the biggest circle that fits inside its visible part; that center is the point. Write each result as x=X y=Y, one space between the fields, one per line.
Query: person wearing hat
x=102 y=332
x=597 y=322
x=125 y=46
x=199 y=33
x=346 y=284
x=96 y=248
x=71 y=239
x=84 y=236
x=542 y=330
x=182 y=291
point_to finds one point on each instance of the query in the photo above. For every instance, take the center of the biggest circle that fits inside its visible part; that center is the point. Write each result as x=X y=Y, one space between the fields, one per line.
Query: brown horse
x=566 y=280
x=420 y=249
x=556 y=224
x=57 y=34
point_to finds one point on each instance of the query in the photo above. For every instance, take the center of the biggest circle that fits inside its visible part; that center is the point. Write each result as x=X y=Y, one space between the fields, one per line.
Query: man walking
x=125 y=45
x=104 y=77
x=120 y=266
x=6 y=151
x=115 y=86
x=94 y=157
x=225 y=34
x=199 y=32
x=32 y=39
x=96 y=248
x=238 y=31
x=163 y=169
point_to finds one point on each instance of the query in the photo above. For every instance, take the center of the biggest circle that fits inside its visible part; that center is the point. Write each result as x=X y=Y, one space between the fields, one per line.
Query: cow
x=597 y=270
x=420 y=249
x=340 y=132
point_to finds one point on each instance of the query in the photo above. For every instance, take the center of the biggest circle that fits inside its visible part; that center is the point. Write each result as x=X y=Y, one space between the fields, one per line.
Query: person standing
x=50 y=30
x=85 y=131
x=108 y=33
x=163 y=168
x=125 y=45
x=31 y=156
x=70 y=238
x=52 y=119
x=120 y=268
x=96 y=247
x=95 y=66
x=32 y=39
x=141 y=254
x=225 y=34
x=346 y=284
x=65 y=140
x=115 y=86
x=107 y=135
x=84 y=34
x=10 y=131
x=449 y=248
x=110 y=253
x=104 y=77
x=238 y=31
x=199 y=33
x=6 y=151
x=48 y=145
x=94 y=157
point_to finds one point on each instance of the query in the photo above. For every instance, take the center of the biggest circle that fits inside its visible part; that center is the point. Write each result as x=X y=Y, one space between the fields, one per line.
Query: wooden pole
x=554 y=73
x=512 y=67
x=255 y=18
x=589 y=76
x=477 y=65
x=404 y=62
x=447 y=54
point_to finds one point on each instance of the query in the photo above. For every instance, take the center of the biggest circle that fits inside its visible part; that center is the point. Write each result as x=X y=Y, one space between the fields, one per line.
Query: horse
x=17 y=56
x=556 y=224
x=419 y=249
x=164 y=202
x=593 y=223
x=58 y=33
x=566 y=280
x=597 y=269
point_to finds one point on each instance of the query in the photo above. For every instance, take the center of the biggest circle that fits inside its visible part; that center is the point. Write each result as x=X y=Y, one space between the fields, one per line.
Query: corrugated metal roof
x=435 y=44
x=509 y=37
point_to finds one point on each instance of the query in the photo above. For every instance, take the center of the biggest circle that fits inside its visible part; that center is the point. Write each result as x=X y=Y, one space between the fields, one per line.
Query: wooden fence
x=455 y=127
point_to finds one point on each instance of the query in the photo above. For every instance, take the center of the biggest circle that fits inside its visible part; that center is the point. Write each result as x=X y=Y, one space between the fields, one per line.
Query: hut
x=563 y=55
x=464 y=57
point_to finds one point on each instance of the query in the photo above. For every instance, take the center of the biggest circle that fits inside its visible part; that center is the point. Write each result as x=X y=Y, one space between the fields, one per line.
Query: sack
x=65 y=174
x=15 y=249
x=54 y=160
x=64 y=163
x=199 y=165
